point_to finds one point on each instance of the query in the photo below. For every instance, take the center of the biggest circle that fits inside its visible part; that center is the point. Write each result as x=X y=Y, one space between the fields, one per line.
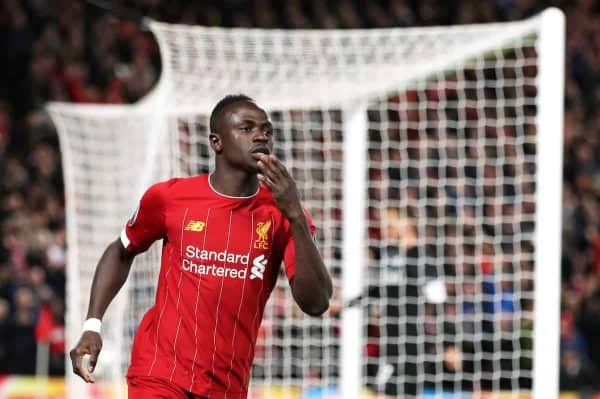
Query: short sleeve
x=147 y=224
x=289 y=254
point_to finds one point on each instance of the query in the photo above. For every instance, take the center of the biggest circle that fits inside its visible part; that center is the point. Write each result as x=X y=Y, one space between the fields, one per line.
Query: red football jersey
x=220 y=260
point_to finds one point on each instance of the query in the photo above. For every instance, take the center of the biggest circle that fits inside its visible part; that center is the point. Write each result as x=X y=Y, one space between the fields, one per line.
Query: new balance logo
x=195 y=225
x=258 y=267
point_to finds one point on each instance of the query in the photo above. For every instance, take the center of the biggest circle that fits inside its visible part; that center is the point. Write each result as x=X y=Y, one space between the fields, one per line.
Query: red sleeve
x=147 y=224
x=289 y=253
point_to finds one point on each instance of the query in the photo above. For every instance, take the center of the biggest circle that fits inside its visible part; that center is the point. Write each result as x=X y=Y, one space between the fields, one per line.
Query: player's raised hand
x=90 y=343
x=274 y=175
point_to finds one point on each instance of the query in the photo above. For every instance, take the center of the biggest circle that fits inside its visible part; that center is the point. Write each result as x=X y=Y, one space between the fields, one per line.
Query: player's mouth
x=261 y=150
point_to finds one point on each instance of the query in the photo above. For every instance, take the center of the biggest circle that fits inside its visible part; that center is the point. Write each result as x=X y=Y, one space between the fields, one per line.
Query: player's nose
x=261 y=136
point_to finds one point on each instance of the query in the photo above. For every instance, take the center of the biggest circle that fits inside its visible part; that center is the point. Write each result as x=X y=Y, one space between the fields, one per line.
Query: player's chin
x=252 y=166
x=254 y=157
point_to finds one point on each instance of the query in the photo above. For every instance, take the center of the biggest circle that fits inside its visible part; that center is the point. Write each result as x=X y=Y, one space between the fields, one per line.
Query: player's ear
x=215 y=142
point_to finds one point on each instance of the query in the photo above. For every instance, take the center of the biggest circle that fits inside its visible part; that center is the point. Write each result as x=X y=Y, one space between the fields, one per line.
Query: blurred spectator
x=575 y=374
x=398 y=300
x=5 y=336
x=50 y=330
x=22 y=341
x=570 y=337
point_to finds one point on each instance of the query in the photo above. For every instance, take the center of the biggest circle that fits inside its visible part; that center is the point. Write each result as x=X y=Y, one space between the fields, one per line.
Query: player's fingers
x=279 y=165
x=261 y=165
x=262 y=162
x=93 y=359
x=268 y=171
x=269 y=166
x=77 y=363
x=266 y=181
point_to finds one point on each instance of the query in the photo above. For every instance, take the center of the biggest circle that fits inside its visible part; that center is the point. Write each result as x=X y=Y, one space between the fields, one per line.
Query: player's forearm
x=111 y=273
x=311 y=286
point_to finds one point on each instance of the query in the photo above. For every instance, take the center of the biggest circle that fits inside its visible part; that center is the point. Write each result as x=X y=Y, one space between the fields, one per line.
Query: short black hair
x=221 y=105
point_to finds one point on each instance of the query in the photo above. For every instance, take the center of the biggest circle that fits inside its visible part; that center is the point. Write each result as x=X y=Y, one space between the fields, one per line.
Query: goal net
x=430 y=160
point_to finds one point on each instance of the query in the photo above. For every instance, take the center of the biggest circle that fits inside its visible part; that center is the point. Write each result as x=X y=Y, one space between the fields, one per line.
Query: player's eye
x=248 y=128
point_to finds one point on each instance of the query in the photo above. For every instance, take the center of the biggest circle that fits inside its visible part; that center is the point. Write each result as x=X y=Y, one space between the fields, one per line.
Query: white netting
x=448 y=266
x=313 y=69
x=107 y=163
x=304 y=69
x=452 y=162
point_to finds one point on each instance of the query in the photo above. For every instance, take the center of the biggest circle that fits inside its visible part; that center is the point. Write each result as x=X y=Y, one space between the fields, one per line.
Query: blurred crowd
x=66 y=50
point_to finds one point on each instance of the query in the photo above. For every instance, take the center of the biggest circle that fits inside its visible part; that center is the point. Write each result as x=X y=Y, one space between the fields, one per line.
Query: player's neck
x=234 y=183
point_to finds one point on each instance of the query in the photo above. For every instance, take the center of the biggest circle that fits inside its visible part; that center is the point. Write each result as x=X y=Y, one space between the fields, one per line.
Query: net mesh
x=451 y=224
x=104 y=172
x=448 y=260
x=290 y=70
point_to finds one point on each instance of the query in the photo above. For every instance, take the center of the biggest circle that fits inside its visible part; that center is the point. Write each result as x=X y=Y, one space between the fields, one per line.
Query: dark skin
x=110 y=275
x=243 y=146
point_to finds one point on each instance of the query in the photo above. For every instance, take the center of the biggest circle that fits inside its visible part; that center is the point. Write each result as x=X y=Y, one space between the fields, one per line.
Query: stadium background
x=67 y=51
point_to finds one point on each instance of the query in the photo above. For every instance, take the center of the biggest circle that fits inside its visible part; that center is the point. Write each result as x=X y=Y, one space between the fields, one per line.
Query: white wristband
x=92 y=324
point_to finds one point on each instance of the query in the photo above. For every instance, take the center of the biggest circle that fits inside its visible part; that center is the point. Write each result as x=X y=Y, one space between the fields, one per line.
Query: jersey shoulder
x=181 y=184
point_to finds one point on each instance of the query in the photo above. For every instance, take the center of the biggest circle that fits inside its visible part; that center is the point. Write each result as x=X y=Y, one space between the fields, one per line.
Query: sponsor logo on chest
x=203 y=262
x=226 y=263
x=259 y=264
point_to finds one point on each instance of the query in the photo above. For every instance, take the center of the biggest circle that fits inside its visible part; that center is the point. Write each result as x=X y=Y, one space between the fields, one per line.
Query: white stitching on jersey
x=262 y=285
x=174 y=352
x=165 y=303
x=218 y=305
x=197 y=298
x=239 y=308
x=178 y=296
x=230 y=196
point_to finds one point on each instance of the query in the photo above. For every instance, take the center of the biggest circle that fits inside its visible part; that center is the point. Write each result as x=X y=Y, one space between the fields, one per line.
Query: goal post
x=430 y=161
x=355 y=130
x=549 y=202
